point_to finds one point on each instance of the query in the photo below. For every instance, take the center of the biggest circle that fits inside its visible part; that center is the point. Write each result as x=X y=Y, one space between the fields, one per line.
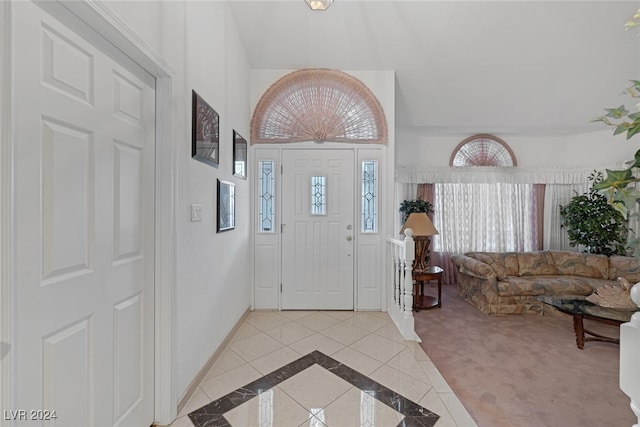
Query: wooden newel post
x=630 y=356
x=410 y=255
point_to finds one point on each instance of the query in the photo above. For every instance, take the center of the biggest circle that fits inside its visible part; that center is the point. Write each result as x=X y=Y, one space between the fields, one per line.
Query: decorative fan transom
x=318 y=105
x=483 y=150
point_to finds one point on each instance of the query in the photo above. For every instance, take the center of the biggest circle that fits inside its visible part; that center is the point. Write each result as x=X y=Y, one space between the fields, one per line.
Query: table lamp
x=422 y=228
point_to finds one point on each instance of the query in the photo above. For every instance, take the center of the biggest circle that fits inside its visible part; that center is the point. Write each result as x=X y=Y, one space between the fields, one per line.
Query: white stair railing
x=630 y=356
x=400 y=306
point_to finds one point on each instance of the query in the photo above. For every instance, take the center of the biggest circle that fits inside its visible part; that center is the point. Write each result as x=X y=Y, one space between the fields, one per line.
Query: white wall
x=600 y=147
x=200 y=41
x=415 y=148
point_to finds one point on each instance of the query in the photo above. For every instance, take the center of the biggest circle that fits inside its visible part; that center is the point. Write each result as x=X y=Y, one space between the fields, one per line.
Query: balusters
x=400 y=306
x=396 y=272
x=409 y=255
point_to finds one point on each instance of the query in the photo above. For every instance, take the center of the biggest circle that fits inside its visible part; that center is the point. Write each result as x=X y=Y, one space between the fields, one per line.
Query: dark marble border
x=213 y=414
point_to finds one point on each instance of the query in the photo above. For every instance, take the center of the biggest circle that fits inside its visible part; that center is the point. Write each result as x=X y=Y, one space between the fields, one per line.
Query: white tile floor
x=367 y=342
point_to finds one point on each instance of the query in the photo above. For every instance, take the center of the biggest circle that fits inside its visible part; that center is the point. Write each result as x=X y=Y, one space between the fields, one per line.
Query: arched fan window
x=483 y=150
x=318 y=105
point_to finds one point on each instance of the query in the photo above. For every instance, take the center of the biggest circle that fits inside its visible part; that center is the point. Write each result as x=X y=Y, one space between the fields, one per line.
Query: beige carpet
x=524 y=371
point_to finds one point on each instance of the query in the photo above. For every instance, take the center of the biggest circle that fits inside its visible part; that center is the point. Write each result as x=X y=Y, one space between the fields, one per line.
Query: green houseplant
x=594 y=223
x=416 y=205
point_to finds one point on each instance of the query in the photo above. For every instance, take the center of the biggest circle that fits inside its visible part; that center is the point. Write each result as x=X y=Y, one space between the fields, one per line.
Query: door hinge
x=281 y=169
x=281 y=228
x=280 y=287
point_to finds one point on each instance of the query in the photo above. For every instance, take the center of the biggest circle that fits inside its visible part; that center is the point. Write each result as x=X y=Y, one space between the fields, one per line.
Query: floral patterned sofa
x=509 y=282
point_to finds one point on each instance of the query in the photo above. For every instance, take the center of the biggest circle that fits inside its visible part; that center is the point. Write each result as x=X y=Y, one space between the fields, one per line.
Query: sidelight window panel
x=266 y=196
x=369 y=202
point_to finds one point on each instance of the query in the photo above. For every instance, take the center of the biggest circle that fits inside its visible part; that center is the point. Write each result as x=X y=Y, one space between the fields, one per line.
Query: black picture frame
x=240 y=148
x=226 y=206
x=205 y=132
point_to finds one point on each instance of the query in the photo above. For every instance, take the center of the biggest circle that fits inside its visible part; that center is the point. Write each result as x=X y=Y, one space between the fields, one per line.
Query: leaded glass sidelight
x=318 y=195
x=369 y=197
x=266 y=196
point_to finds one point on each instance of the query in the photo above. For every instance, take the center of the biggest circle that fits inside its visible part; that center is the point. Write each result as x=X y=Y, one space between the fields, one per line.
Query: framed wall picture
x=239 y=155
x=226 y=206
x=205 y=132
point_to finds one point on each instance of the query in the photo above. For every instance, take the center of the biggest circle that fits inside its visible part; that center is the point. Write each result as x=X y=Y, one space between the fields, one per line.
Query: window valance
x=515 y=175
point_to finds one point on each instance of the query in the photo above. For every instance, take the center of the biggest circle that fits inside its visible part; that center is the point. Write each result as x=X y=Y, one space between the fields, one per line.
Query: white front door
x=83 y=131
x=318 y=229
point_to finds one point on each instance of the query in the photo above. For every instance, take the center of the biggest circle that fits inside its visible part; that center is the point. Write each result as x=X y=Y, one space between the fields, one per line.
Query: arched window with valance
x=483 y=150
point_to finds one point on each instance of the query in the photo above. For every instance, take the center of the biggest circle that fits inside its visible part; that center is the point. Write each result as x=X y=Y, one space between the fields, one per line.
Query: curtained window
x=493 y=217
x=482 y=216
x=485 y=217
x=496 y=208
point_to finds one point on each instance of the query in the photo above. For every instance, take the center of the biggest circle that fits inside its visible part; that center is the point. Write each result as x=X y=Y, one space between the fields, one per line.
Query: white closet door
x=84 y=216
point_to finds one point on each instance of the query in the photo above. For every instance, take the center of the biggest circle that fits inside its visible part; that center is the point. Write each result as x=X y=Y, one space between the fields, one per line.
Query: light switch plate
x=196 y=213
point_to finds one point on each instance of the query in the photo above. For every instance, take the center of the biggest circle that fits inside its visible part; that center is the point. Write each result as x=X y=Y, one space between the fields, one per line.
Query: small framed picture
x=226 y=206
x=239 y=155
x=205 y=132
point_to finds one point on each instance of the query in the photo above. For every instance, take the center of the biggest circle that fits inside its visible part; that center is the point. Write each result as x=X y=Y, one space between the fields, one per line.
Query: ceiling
x=529 y=67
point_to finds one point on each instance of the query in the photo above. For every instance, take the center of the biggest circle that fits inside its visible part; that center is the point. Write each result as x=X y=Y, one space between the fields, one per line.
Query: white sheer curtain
x=494 y=217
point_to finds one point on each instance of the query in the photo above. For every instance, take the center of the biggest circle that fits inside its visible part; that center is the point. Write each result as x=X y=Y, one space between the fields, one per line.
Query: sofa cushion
x=515 y=285
x=581 y=264
x=503 y=263
x=623 y=266
x=473 y=267
x=549 y=284
x=568 y=285
x=535 y=263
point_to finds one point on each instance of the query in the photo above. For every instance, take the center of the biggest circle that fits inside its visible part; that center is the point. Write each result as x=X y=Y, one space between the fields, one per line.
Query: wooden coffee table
x=420 y=300
x=581 y=309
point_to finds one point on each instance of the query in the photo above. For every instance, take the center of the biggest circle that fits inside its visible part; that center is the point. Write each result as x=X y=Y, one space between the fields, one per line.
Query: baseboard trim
x=207 y=366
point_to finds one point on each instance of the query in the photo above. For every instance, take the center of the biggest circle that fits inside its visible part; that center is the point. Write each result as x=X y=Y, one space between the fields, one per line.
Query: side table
x=420 y=300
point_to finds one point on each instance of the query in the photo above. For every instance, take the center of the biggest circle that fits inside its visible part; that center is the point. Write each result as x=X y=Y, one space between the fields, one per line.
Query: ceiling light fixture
x=319 y=4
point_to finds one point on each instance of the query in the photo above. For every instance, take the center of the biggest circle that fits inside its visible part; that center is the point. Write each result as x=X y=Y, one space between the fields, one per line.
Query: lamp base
x=422 y=253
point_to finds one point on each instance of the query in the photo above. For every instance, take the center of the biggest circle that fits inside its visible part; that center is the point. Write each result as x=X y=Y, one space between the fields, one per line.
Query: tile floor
x=322 y=368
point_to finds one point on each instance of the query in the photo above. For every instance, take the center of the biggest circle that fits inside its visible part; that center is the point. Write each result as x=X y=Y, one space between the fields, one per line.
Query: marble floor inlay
x=320 y=369
x=409 y=413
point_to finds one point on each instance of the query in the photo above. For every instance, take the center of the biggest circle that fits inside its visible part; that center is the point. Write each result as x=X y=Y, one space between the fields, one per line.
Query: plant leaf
x=616 y=113
x=633 y=130
x=622 y=127
x=628 y=196
x=635 y=163
x=616 y=179
x=620 y=207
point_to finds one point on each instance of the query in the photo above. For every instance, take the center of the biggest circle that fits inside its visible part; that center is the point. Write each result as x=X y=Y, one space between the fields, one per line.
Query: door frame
x=77 y=15
x=341 y=147
x=370 y=290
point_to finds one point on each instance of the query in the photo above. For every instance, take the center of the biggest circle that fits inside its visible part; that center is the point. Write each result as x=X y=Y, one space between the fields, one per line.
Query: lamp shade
x=420 y=224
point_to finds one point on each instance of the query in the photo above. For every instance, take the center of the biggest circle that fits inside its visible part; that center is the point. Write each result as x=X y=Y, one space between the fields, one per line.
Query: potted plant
x=417 y=205
x=594 y=223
